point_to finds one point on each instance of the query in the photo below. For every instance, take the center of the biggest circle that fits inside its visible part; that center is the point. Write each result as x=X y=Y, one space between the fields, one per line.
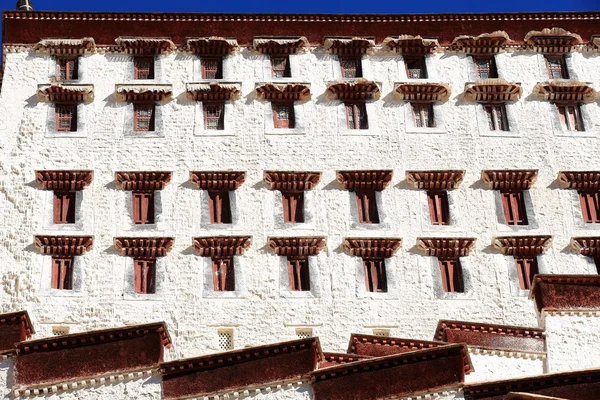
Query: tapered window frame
x=452 y=276
x=143 y=210
x=514 y=207
x=62 y=272
x=64 y=207
x=144 y=67
x=211 y=67
x=590 y=206
x=439 y=207
x=67 y=68
x=496 y=116
x=415 y=65
x=280 y=66
x=351 y=67
x=223 y=273
x=376 y=280
x=214 y=116
x=367 y=207
x=144 y=275
x=357 y=117
x=423 y=115
x=293 y=206
x=219 y=204
x=485 y=67
x=66 y=117
x=278 y=112
x=556 y=65
x=569 y=116
x=140 y=120
x=527 y=268
x=299 y=274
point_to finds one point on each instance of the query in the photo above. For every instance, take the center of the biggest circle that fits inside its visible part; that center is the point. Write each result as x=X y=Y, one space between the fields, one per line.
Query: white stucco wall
x=264 y=313
x=6 y=377
x=490 y=367
x=572 y=341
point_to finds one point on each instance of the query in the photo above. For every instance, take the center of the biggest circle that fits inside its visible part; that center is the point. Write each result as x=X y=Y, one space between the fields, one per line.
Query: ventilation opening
x=226 y=339
x=381 y=332
x=304 y=333
x=60 y=330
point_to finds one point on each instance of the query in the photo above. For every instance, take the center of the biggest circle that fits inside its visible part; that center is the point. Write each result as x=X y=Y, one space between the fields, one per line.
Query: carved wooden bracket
x=299 y=91
x=221 y=246
x=410 y=45
x=144 y=246
x=356 y=46
x=580 y=180
x=565 y=91
x=143 y=92
x=64 y=180
x=435 y=180
x=65 y=47
x=65 y=93
x=376 y=180
x=145 y=45
x=217 y=180
x=279 y=45
x=211 y=46
x=445 y=247
x=297 y=246
x=422 y=91
x=64 y=245
x=358 y=90
x=509 y=179
x=551 y=41
x=143 y=180
x=293 y=181
x=214 y=91
x=522 y=245
x=372 y=247
x=492 y=91
x=586 y=246
x=486 y=43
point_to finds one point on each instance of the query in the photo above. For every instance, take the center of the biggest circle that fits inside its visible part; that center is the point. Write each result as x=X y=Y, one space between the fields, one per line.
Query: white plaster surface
x=489 y=367
x=6 y=377
x=265 y=313
x=572 y=342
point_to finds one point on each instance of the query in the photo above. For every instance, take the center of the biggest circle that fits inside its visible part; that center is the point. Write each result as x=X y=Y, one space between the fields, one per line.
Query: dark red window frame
x=415 y=67
x=144 y=275
x=142 y=207
x=423 y=115
x=439 y=209
x=351 y=67
x=64 y=207
x=219 y=205
x=485 y=67
x=280 y=67
x=375 y=275
x=62 y=273
x=356 y=116
x=143 y=117
x=283 y=115
x=590 y=206
x=66 y=117
x=143 y=67
x=223 y=274
x=496 y=115
x=513 y=204
x=67 y=68
x=527 y=268
x=366 y=205
x=293 y=206
x=298 y=272
x=452 y=275
x=212 y=67
x=557 y=67
x=570 y=117
x=214 y=116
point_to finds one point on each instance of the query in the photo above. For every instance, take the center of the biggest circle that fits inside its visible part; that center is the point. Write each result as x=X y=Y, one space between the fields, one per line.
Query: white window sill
x=213 y=132
x=285 y=132
x=143 y=135
x=434 y=131
x=499 y=133
x=71 y=135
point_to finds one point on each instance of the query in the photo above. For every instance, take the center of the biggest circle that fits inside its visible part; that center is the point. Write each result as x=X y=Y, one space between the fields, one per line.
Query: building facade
x=251 y=179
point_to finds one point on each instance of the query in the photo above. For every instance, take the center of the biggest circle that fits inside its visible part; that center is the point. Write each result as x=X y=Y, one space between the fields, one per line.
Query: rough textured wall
x=572 y=342
x=488 y=367
x=262 y=312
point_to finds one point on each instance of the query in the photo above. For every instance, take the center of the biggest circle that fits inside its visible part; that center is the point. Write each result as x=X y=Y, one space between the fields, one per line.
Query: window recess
x=143 y=67
x=214 y=116
x=143 y=207
x=67 y=68
x=439 y=209
x=485 y=67
x=556 y=66
x=570 y=117
x=283 y=115
x=144 y=275
x=436 y=183
x=144 y=117
x=218 y=184
x=452 y=275
x=356 y=116
x=351 y=66
x=297 y=250
x=66 y=117
x=511 y=184
x=223 y=274
x=496 y=116
x=298 y=273
x=64 y=207
x=143 y=185
x=415 y=67
x=513 y=204
x=423 y=115
x=448 y=252
x=212 y=67
x=590 y=206
x=375 y=275
x=221 y=250
x=527 y=268
x=366 y=205
x=62 y=273
x=280 y=67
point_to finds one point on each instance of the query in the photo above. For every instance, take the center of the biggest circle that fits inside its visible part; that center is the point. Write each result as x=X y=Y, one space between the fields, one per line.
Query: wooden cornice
x=213 y=91
x=221 y=246
x=505 y=180
x=292 y=181
x=218 y=180
x=551 y=41
x=297 y=246
x=64 y=245
x=358 y=90
x=372 y=247
x=142 y=247
x=64 y=180
x=354 y=46
x=495 y=90
x=143 y=180
x=410 y=45
x=586 y=246
x=422 y=91
x=211 y=46
x=143 y=92
x=525 y=246
x=435 y=180
x=289 y=91
x=445 y=247
x=376 y=180
x=588 y=181
x=65 y=93
x=486 y=43
x=65 y=47
x=146 y=46
x=565 y=91
x=279 y=45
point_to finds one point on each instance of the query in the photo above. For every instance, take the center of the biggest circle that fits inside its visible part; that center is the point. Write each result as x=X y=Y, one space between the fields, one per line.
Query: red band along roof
x=372 y=247
x=509 y=179
x=365 y=180
x=64 y=245
x=221 y=246
x=435 y=180
x=217 y=180
x=292 y=181
x=148 y=247
x=445 y=247
x=64 y=180
x=297 y=246
x=525 y=246
x=378 y=346
x=143 y=180
x=566 y=292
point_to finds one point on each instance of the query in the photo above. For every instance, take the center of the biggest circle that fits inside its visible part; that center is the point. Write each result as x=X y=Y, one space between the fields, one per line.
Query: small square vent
x=304 y=333
x=226 y=339
x=381 y=332
x=60 y=330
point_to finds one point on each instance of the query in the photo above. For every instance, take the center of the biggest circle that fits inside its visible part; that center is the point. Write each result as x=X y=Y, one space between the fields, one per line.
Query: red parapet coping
x=566 y=292
x=15 y=327
x=378 y=346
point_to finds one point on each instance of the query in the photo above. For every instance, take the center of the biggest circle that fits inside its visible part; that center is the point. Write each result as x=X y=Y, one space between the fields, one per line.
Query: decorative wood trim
x=422 y=91
x=349 y=46
x=376 y=180
x=382 y=346
x=551 y=41
x=332 y=359
x=372 y=247
x=221 y=246
x=279 y=45
x=65 y=93
x=435 y=180
x=211 y=46
x=580 y=180
x=486 y=43
x=495 y=90
x=567 y=91
x=144 y=246
x=296 y=91
x=445 y=247
x=297 y=246
x=217 y=180
x=509 y=179
x=213 y=91
x=294 y=181
x=522 y=245
x=142 y=93
x=65 y=47
x=410 y=45
x=64 y=180
x=586 y=246
x=143 y=180
x=480 y=327
x=63 y=245
x=356 y=90
x=144 y=45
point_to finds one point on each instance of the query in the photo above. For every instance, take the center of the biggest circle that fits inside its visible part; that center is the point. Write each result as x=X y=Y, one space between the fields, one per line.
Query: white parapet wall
x=491 y=366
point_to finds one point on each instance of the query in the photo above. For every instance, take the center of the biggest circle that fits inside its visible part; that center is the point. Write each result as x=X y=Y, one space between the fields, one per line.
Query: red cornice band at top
x=29 y=27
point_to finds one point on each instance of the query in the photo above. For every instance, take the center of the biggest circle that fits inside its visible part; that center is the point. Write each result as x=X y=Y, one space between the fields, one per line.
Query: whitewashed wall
x=264 y=313
x=491 y=367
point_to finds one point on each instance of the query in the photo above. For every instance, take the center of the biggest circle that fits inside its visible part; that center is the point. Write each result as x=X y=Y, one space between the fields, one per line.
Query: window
x=64 y=207
x=381 y=332
x=223 y=275
x=304 y=333
x=60 y=330
x=485 y=67
x=570 y=117
x=513 y=204
x=143 y=67
x=142 y=207
x=423 y=115
x=66 y=68
x=225 y=339
x=451 y=273
x=415 y=67
x=439 y=210
x=220 y=207
x=356 y=116
x=143 y=117
x=366 y=204
x=351 y=67
x=496 y=114
x=144 y=275
x=590 y=206
x=62 y=273
x=212 y=67
x=214 y=116
x=597 y=262
x=375 y=275
x=293 y=206
x=280 y=67
x=557 y=67
x=283 y=115
x=527 y=268
x=298 y=273
x=66 y=117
